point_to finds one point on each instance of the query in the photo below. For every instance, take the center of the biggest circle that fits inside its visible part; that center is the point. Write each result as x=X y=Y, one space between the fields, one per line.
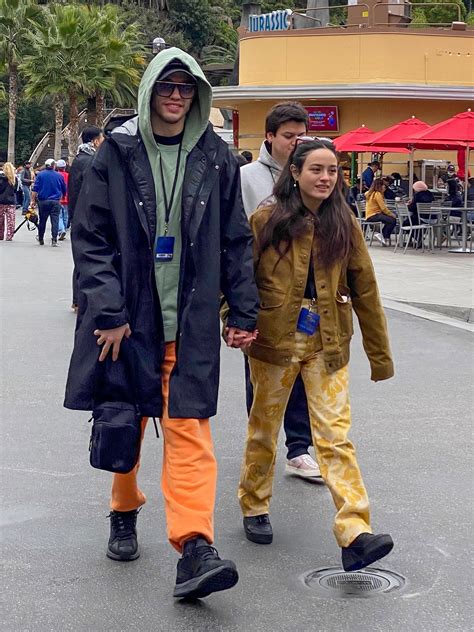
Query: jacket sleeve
x=94 y=245
x=237 y=277
x=368 y=308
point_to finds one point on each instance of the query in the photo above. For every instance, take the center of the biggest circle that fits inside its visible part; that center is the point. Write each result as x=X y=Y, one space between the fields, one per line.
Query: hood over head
x=197 y=118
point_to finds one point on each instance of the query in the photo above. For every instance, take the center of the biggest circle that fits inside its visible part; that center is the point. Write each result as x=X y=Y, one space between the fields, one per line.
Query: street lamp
x=158 y=45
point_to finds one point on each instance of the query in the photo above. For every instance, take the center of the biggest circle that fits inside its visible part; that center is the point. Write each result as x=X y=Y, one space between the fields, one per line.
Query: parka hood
x=267 y=159
x=198 y=116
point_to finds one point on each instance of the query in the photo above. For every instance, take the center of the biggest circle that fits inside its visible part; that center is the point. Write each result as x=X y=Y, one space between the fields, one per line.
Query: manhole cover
x=333 y=582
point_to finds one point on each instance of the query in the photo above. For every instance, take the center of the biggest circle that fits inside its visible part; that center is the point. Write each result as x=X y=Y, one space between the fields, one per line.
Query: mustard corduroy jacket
x=348 y=285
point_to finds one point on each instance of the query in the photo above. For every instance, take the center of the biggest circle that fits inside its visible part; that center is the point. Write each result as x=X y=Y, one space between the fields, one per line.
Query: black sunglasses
x=166 y=89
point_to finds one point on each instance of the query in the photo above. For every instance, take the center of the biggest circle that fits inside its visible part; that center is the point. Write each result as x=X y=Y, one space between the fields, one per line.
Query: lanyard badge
x=308 y=320
x=165 y=243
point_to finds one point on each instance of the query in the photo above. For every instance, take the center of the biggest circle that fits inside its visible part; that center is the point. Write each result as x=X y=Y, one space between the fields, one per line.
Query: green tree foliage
x=444 y=13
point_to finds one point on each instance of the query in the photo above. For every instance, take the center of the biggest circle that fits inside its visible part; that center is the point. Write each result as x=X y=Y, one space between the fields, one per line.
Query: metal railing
x=368 y=14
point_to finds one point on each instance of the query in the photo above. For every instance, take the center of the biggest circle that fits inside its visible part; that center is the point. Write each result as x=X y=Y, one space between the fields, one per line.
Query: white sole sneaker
x=298 y=471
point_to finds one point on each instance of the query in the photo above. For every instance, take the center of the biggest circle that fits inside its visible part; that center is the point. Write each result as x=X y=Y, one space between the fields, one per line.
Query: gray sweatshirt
x=258 y=179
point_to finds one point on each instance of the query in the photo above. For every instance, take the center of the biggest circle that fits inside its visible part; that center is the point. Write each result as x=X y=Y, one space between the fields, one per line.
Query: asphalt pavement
x=414 y=444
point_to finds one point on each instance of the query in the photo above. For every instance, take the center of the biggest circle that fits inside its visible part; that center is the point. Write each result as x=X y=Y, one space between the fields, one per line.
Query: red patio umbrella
x=396 y=136
x=350 y=141
x=458 y=129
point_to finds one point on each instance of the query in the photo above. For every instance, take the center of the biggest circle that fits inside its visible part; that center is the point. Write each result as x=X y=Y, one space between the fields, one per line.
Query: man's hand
x=239 y=338
x=111 y=338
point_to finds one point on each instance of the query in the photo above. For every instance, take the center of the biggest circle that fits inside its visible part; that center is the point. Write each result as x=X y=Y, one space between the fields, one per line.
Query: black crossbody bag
x=116 y=434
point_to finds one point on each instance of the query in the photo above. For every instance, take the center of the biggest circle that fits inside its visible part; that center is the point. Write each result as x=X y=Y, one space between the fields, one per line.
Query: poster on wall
x=323 y=118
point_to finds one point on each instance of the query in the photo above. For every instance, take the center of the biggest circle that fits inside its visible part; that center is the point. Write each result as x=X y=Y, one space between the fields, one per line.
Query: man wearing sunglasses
x=159 y=233
x=285 y=126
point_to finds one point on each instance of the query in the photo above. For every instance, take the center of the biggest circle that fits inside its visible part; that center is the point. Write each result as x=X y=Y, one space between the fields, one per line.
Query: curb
x=427 y=315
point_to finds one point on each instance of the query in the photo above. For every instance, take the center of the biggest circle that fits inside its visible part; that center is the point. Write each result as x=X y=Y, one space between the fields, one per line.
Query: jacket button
x=323 y=287
x=140 y=203
x=193 y=290
x=202 y=202
x=325 y=311
x=216 y=166
x=291 y=333
x=328 y=339
x=192 y=244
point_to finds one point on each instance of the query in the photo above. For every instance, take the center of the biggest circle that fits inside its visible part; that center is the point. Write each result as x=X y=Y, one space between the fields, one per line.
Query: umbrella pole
x=353 y=169
x=361 y=184
x=466 y=175
x=411 y=172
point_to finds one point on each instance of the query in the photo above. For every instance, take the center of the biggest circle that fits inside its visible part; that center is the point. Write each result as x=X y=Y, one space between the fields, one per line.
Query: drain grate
x=333 y=582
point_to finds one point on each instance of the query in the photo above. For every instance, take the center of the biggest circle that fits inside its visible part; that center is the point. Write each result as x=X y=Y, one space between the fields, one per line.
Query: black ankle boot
x=201 y=571
x=258 y=529
x=366 y=549
x=123 y=544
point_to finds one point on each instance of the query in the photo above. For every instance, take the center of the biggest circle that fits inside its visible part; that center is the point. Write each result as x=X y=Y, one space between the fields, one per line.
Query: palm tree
x=17 y=17
x=68 y=46
x=124 y=59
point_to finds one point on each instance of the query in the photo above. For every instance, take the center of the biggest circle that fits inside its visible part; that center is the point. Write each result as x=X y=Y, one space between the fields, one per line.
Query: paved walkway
x=438 y=282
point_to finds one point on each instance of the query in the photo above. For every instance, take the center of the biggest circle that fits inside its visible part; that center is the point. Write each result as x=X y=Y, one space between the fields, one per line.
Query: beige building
x=376 y=73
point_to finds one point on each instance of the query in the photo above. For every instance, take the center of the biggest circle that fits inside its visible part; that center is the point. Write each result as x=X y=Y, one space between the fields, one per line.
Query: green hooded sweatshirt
x=197 y=119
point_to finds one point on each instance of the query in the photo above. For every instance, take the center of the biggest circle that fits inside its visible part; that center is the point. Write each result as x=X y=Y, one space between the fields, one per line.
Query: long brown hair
x=333 y=222
x=376 y=186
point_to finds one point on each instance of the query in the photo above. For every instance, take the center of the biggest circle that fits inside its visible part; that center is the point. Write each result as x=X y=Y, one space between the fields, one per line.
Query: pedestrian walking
x=92 y=138
x=63 y=215
x=158 y=233
x=9 y=187
x=48 y=189
x=312 y=267
x=284 y=123
x=27 y=177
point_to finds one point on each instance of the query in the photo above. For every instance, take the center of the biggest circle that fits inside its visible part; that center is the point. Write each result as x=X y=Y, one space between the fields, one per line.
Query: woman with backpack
x=312 y=268
x=10 y=188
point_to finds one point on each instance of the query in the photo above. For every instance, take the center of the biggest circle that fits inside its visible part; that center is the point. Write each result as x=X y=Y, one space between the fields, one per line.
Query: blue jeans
x=48 y=209
x=296 y=420
x=26 y=198
x=63 y=218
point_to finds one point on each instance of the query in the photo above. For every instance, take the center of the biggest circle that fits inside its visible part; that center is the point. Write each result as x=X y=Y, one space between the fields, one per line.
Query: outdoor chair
x=368 y=228
x=433 y=215
x=411 y=231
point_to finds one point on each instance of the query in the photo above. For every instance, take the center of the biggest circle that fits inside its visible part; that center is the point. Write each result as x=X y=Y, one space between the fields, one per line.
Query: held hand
x=111 y=338
x=239 y=338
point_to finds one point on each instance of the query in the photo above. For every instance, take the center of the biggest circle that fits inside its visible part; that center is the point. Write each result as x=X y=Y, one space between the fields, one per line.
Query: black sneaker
x=41 y=242
x=123 y=544
x=366 y=549
x=202 y=572
x=62 y=236
x=54 y=243
x=258 y=529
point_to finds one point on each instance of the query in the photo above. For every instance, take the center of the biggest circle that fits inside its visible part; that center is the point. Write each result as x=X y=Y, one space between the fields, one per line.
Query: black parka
x=113 y=233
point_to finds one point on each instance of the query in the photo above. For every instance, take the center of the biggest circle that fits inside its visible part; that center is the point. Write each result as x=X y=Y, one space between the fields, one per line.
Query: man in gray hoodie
x=283 y=124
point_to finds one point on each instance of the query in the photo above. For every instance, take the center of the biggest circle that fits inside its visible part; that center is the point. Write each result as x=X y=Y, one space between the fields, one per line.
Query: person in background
x=368 y=174
x=312 y=269
x=389 y=193
x=470 y=189
x=48 y=189
x=92 y=138
x=27 y=177
x=63 y=216
x=284 y=123
x=247 y=155
x=376 y=211
x=421 y=195
x=10 y=185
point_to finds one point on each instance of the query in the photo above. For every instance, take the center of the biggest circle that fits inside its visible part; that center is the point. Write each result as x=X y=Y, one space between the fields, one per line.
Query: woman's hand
x=112 y=338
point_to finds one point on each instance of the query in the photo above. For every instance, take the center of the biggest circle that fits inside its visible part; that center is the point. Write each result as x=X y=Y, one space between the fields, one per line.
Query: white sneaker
x=379 y=238
x=304 y=466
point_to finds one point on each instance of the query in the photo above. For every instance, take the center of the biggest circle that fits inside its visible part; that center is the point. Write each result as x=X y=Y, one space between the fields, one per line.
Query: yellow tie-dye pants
x=330 y=417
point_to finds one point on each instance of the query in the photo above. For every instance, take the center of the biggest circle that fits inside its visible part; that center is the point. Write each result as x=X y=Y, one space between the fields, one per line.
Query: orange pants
x=188 y=478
